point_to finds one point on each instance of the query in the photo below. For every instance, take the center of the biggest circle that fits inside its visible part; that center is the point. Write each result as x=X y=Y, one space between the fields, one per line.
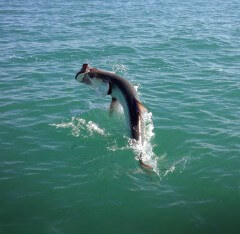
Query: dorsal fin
x=141 y=107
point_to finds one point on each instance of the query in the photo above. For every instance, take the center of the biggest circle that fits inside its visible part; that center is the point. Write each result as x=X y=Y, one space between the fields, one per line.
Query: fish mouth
x=83 y=78
x=80 y=76
x=84 y=70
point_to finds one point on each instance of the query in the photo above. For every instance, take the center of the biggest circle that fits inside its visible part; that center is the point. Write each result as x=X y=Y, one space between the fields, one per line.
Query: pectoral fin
x=113 y=106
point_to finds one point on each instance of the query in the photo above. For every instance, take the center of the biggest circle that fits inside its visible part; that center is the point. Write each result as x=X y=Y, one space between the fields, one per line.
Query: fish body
x=123 y=93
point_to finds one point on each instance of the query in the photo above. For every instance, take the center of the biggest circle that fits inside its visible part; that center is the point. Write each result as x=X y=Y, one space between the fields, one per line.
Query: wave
x=77 y=125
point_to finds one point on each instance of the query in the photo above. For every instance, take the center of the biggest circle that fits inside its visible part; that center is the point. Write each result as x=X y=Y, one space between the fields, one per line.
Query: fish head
x=87 y=77
x=82 y=75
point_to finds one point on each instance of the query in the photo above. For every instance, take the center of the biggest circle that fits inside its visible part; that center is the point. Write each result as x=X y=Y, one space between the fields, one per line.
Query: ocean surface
x=66 y=166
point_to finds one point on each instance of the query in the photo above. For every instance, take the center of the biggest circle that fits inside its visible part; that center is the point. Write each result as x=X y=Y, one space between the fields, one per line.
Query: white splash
x=145 y=149
x=181 y=164
x=77 y=125
x=92 y=127
x=137 y=87
x=120 y=68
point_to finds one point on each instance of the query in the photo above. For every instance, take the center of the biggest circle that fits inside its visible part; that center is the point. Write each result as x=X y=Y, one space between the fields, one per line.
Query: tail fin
x=144 y=165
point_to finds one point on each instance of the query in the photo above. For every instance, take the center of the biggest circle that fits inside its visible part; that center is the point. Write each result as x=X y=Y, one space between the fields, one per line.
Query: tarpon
x=123 y=93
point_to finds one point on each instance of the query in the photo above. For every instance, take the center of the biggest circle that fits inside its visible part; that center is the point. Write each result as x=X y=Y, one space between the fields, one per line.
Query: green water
x=66 y=166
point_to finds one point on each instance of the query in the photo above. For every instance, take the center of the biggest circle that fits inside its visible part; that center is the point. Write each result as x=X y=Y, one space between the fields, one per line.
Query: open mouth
x=83 y=78
x=80 y=77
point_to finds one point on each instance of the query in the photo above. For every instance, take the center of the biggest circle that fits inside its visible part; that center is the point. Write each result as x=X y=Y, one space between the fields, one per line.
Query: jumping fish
x=123 y=93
